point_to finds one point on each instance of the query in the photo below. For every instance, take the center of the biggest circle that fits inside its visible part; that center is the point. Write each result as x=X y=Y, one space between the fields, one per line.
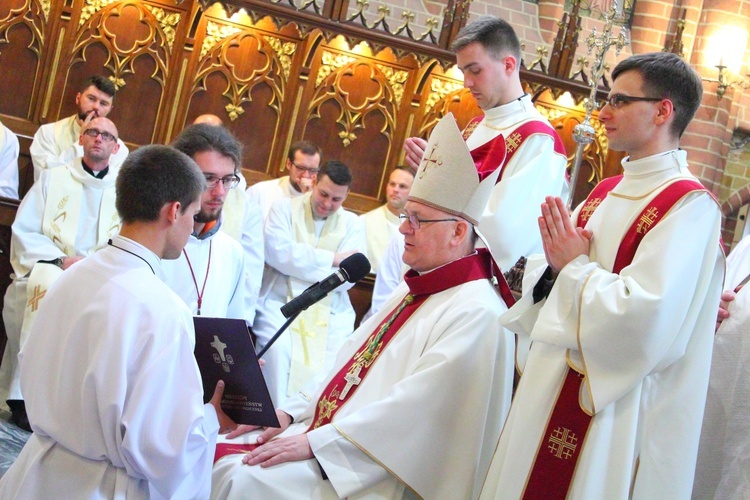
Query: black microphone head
x=355 y=267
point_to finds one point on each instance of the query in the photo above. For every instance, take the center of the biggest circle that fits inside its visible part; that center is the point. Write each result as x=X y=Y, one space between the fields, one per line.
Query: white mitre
x=447 y=178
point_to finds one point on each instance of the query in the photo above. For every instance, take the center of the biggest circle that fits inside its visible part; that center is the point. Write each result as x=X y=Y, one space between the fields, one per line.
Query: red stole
x=498 y=152
x=346 y=382
x=555 y=464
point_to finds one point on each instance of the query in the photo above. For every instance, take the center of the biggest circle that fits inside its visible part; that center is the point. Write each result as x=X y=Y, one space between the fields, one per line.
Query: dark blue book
x=224 y=351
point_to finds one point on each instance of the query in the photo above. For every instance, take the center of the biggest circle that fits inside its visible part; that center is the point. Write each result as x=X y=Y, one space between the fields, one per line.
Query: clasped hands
x=561 y=239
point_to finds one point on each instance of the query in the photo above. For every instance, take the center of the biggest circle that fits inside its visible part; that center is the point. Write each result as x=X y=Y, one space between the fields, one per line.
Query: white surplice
x=55 y=144
x=287 y=258
x=642 y=338
x=9 y=150
x=509 y=222
x=424 y=421
x=380 y=226
x=30 y=245
x=242 y=219
x=723 y=468
x=221 y=280
x=112 y=389
x=267 y=192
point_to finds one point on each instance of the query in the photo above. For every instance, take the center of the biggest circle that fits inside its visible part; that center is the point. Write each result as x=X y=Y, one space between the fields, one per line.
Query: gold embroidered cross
x=352 y=379
x=647 y=220
x=431 y=158
x=38 y=295
x=588 y=208
x=562 y=443
x=513 y=142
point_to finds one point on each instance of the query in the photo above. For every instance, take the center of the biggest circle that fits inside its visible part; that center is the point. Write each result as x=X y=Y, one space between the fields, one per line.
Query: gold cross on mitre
x=434 y=159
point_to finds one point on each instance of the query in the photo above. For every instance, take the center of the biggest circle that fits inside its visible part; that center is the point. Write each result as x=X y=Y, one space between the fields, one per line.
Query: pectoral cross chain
x=352 y=379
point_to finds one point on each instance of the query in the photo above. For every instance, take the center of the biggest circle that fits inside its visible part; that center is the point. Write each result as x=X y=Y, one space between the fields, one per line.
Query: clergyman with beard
x=209 y=275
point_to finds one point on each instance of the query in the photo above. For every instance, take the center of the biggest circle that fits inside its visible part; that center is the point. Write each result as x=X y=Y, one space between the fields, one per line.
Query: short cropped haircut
x=496 y=35
x=306 y=148
x=409 y=170
x=338 y=172
x=202 y=137
x=668 y=76
x=101 y=83
x=153 y=176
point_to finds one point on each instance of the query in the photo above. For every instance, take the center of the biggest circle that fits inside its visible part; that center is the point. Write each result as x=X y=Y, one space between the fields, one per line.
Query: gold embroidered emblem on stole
x=562 y=443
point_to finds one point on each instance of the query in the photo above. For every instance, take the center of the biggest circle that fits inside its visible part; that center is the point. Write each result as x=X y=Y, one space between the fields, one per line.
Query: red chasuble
x=562 y=441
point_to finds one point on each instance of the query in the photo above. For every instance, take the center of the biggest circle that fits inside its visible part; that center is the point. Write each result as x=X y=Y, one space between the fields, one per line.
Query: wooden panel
x=21 y=36
x=273 y=80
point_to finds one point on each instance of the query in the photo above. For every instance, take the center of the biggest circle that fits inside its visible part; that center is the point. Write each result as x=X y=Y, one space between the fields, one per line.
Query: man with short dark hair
x=620 y=312
x=306 y=239
x=210 y=275
x=382 y=223
x=303 y=164
x=511 y=136
x=55 y=144
x=68 y=213
x=114 y=393
x=417 y=397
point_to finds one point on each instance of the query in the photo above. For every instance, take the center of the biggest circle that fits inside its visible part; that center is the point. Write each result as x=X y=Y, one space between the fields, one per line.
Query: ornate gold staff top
x=584 y=133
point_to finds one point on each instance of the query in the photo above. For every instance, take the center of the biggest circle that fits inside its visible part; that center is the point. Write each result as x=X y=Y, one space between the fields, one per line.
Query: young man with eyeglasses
x=303 y=164
x=55 y=144
x=209 y=275
x=68 y=213
x=306 y=239
x=512 y=136
x=415 y=401
x=620 y=312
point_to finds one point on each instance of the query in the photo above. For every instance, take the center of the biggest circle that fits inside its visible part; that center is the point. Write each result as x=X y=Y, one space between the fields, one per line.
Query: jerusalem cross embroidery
x=563 y=443
x=38 y=295
x=512 y=143
x=589 y=208
x=647 y=220
x=469 y=130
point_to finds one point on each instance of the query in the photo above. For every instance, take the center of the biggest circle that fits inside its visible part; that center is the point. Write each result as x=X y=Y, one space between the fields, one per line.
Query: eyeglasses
x=617 y=100
x=106 y=136
x=311 y=171
x=415 y=222
x=229 y=182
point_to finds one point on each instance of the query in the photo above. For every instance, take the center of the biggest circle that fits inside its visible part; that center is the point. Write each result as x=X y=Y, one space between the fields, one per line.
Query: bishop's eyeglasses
x=229 y=181
x=415 y=222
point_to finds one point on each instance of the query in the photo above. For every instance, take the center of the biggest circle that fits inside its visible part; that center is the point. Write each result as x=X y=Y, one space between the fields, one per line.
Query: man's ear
x=460 y=233
x=171 y=211
x=664 y=112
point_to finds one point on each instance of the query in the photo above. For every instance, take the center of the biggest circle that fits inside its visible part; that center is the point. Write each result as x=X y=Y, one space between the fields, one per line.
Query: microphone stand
x=278 y=333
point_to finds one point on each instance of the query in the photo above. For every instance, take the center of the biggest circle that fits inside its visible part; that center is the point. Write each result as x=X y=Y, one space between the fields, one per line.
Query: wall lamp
x=724 y=83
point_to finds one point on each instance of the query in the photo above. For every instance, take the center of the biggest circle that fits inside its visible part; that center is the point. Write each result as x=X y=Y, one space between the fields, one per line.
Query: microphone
x=353 y=268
